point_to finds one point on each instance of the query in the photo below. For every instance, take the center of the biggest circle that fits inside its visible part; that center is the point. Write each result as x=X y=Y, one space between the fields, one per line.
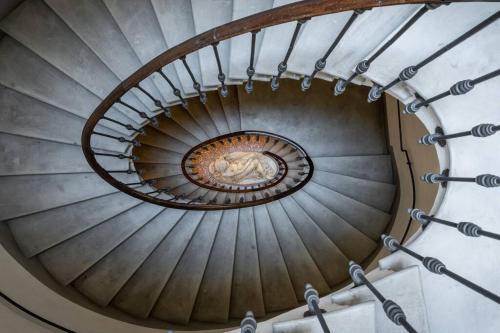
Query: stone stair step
x=104 y=279
x=139 y=295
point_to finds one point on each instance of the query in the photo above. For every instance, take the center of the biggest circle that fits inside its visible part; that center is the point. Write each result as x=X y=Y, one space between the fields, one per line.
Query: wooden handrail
x=288 y=13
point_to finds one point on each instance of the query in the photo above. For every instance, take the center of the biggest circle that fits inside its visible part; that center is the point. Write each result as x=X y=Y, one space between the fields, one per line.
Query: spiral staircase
x=136 y=231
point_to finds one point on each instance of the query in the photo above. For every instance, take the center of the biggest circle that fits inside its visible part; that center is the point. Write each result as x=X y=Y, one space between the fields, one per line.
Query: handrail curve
x=284 y=14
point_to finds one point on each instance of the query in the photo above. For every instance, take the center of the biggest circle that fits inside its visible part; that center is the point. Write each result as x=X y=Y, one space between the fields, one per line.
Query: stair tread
x=48 y=191
x=241 y=45
x=247 y=287
x=358 y=318
x=370 y=167
x=33 y=22
x=149 y=154
x=184 y=119
x=67 y=260
x=394 y=59
x=139 y=294
x=177 y=25
x=170 y=127
x=370 y=221
x=170 y=182
x=352 y=242
x=214 y=296
x=203 y=22
x=59 y=224
x=104 y=279
x=185 y=189
x=220 y=197
x=24 y=156
x=230 y=106
x=216 y=112
x=17 y=65
x=370 y=29
x=161 y=140
x=158 y=170
x=93 y=23
x=329 y=259
x=317 y=36
x=183 y=285
x=50 y=123
x=200 y=115
x=349 y=124
x=403 y=287
x=143 y=32
x=375 y=194
x=301 y=266
x=277 y=288
x=274 y=45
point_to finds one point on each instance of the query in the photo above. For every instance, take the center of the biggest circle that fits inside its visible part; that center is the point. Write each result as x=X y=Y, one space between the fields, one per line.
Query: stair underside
x=182 y=267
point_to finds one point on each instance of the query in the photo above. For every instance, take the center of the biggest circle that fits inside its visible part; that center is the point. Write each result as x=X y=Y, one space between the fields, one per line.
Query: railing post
x=479 y=131
x=364 y=65
x=321 y=62
x=467 y=228
x=485 y=180
x=156 y=102
x=248 y=324
x=120 y=156
x=312 y=298
x=392 y=310
x=175 y=90
x=275 y=84
x=134 y=142
x=221 y=77
x=251 y=69
x=435 y=266
x=127 y=126
x=410 y=71
x=196 y=84
x=459 y=88
x=140 y=113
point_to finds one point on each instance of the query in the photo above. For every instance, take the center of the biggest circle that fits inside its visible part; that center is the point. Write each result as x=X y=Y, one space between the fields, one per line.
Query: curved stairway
x=179 y=265
x=190 y=266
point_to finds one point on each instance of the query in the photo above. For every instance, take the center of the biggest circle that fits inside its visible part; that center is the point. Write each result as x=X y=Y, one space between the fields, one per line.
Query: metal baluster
x=143 y=182
x=480 y=131
x=196 y=85
x=321 y=63
x=275 y=84
x=251 y=69
x=221 y=76
x=140 y=113
x=459 y=88
x=118 y=138
x=120 y=156
x=248 y=324
x=467 y=228
x=410 y=71
x=485 y=180
x=364 y=65
x=175 y=90
x=393 y=311
x=312 y=298
x=129 y=171
x=434 y=265
x=127 y=126
x=157 y=102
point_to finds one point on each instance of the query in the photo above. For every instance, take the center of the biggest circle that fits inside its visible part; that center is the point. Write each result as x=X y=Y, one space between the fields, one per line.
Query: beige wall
x=423 y=159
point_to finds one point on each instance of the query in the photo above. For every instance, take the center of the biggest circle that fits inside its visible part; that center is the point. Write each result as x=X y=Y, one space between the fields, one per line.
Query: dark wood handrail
x=288 y=13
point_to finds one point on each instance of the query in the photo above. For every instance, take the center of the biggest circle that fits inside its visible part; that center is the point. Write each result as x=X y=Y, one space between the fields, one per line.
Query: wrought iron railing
x=297 y=12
